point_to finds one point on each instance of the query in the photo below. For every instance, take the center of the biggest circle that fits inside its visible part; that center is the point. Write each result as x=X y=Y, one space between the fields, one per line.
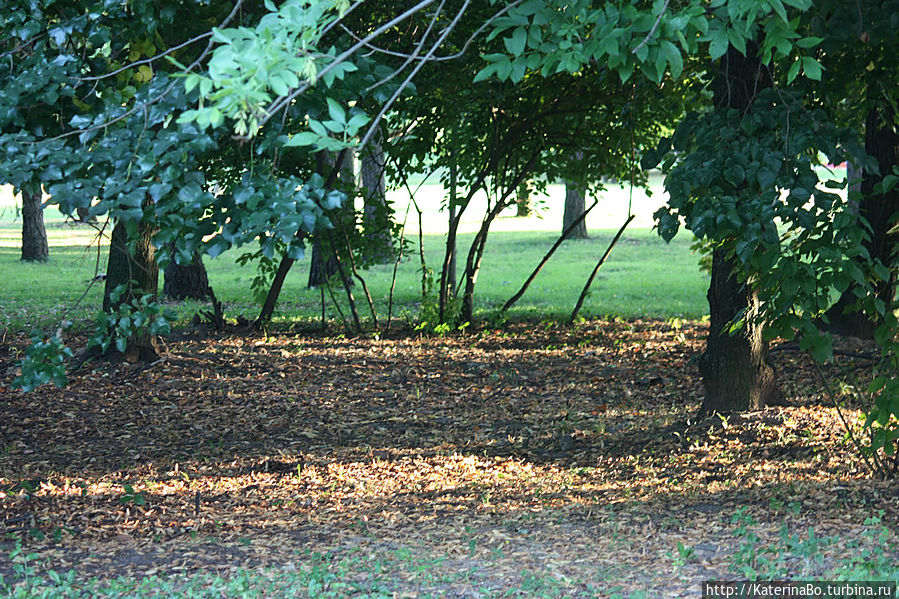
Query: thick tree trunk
x=735 y=367
x=882 y=143
x=736 y=373
x=376 y=214
x=575 y=205
x=139 y=272
x=323 y=265
x=188 y=281
x=34 y=234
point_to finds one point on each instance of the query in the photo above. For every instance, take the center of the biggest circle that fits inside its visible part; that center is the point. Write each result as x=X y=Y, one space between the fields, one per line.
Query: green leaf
x=812 y=68
x=278 y=86
x=737 y=40
x=485 y=73
x=809 y=42
x=519 y=66
x=778 y=7
x=674 y=58
x=718 y=45
x=336 y=111
x=516 y=43
x=734 y=174
x=794 y=70
x=305 y=138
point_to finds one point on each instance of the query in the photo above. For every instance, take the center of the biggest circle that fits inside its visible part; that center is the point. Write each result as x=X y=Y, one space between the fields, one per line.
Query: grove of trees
x=200 y=126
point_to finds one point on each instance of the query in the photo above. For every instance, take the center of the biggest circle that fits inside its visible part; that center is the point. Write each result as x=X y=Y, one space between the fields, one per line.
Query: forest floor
x=535 y=460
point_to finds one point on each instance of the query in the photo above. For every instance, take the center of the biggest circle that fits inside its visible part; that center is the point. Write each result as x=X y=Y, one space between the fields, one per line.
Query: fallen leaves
x=570 y=446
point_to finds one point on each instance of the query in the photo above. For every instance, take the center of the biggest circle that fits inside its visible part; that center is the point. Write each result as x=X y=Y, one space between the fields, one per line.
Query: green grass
x=643 y=277
x=358 y=573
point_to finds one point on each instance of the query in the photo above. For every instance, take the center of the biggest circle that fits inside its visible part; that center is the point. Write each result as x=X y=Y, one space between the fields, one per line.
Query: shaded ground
x=564 y=459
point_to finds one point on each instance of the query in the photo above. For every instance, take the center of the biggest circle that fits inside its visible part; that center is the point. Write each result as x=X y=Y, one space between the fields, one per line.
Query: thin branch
x=27 y=42
x=455 y=56
x=396 y=265
x=161 y=96
x=396 y=94
x=277 y=105
x=653 y=30
x=583 y=296
x=418 y=48
x=855 y=442
x=335 y=22
x=150 y=60
x=546 y=258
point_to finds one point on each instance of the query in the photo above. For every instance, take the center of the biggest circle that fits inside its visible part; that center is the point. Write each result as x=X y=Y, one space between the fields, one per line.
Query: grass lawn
x=642 y=277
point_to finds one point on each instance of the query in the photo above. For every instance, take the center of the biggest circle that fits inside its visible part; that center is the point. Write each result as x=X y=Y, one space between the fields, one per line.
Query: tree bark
x=575 y=205
x=735 y=367
x=139 y=272
x=34 y=234
x=736 y=372
x=448 y=279
x=881 y=143
x=376 y=214
x=523 y=200
x=188 y=281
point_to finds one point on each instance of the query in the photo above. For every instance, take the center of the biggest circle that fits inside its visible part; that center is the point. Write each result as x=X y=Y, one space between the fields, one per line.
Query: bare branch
x=396 y=94
x=455 y=56
x=150 y=60
x=418 y=48
x=160 y=97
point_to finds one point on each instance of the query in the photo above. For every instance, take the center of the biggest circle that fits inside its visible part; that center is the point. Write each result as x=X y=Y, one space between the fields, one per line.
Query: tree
x=131 y=274
x=376 y=216
x=187 y=281
x=575 y=204
x=87 y=110
x=34 y=234
x=523 y=207
x=878 y=207
x=727 y=163
x=736 y=371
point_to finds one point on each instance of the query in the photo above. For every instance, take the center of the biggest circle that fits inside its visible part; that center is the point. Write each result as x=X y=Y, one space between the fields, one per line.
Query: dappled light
x=260 y=446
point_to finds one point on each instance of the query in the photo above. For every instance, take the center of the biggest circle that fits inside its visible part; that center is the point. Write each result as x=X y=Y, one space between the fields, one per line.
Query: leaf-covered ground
x=533 y=457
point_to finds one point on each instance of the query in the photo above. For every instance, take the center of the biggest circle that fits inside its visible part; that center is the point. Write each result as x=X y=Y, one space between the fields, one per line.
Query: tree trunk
x=575 y=205
x=34 y=234
x=324 y=265
x=188 y=281
x=523 y=200
x=735 y=368
x=376 y=214
x=882 y=143
x=736 y=373
x=139 y=272
x=447 y=290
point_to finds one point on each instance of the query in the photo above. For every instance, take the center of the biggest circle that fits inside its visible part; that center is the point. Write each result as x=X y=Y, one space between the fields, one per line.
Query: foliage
x=552 y=36
x=141 y=317
x=725 y=171
x=45 y=361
